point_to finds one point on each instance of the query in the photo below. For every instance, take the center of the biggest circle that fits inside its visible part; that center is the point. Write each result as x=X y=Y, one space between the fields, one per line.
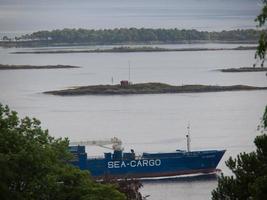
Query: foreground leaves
x=34 y=165
x=249 y=179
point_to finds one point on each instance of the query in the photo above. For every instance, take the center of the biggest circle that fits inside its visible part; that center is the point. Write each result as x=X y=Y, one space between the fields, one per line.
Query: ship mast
x=188 y=139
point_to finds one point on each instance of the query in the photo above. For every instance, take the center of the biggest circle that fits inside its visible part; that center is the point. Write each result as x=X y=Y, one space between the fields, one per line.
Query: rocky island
x=17 y=67
x=148 y=88
x=245 y=69
x=128 y=49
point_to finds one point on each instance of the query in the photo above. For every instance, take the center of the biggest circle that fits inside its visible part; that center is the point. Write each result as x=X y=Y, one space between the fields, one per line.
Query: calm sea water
x=220 y=120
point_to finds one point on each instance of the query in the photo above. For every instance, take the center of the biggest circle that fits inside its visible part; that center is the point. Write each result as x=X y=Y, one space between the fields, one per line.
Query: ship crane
x=115 y=142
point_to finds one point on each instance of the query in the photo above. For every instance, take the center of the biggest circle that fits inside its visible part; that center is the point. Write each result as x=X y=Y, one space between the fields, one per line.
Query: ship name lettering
x=139 y=163
x=123 y=164
x=145 y=163
x=151 y=162
x=117 y=164
x=134 y=163
x=157 y=162
x=110 y=164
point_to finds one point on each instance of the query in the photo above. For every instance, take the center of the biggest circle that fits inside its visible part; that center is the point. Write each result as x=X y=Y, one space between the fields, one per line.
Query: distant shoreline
x=133 y=49
x=22 y=67
x=148 y=88
x=35 y=44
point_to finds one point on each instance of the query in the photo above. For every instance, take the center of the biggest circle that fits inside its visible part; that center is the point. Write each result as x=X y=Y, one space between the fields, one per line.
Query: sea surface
x=158 y=122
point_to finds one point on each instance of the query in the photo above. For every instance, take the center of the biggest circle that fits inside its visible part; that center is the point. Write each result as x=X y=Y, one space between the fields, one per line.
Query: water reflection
x=181 y=179
x=190 y=188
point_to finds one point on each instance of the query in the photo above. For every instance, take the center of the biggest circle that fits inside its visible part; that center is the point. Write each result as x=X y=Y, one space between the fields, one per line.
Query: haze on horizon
x=213 y=15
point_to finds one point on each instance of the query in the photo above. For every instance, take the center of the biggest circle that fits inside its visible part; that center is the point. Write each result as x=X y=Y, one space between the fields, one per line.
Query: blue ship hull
x=122 y=165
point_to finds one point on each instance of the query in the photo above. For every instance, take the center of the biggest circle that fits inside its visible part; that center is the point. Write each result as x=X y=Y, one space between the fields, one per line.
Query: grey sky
x=32 y=15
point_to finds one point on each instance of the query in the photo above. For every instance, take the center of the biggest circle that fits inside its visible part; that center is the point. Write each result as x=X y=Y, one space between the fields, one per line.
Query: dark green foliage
x=250 y=173
x=265 y=118
x=127 y=186
x=33 y=165
x=142 y=35
x=128 y=36
x=262 y=44
x=250 y=169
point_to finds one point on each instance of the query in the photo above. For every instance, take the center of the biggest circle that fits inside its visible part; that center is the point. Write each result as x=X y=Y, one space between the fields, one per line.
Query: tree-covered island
x=128 y=36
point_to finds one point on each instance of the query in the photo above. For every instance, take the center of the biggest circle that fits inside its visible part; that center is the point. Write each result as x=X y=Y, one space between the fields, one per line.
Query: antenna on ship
x=188 y=139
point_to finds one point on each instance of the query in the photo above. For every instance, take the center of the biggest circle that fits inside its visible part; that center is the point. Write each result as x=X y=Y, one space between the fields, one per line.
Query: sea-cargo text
x=134 y=163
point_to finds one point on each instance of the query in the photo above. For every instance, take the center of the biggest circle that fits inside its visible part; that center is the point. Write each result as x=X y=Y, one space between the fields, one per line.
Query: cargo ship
x=120 y=164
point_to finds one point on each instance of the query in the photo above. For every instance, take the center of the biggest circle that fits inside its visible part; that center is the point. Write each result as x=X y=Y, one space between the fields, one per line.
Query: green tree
x=249 y=179
x=129 y=187
x=34 y=165
x=262 y=45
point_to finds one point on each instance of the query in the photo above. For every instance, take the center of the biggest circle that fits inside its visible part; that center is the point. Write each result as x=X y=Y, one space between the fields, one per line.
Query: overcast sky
x=33 y=15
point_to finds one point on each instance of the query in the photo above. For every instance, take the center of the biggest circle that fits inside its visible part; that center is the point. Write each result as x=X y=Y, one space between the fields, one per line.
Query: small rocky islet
x=128 y=49
x=21 y=67
x=148 y=88
x=245 y=69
